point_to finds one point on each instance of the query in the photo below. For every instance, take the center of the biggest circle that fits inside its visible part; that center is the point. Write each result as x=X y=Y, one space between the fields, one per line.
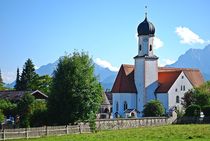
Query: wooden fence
x=35 y=132
x=108 y=124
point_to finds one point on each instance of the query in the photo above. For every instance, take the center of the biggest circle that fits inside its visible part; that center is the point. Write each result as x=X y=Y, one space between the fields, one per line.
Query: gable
x=124 y=82
x=166 y=80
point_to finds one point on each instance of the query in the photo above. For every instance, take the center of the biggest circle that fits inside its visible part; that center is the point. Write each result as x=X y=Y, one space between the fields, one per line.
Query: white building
x=137 y=84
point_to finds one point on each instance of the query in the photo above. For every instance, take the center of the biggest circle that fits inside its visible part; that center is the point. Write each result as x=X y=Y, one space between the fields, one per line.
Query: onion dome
x=146 y=28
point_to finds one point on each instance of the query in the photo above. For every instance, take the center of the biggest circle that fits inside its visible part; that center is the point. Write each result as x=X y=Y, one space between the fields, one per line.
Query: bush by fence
x=193 y=120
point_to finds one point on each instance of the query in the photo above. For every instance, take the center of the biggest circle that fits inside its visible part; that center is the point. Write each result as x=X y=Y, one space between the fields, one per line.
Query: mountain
x=195 y=58
x=47 y=69
x=105 y=76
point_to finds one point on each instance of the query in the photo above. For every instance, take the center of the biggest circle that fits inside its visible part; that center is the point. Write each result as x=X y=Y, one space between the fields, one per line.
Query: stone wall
x=113 y=124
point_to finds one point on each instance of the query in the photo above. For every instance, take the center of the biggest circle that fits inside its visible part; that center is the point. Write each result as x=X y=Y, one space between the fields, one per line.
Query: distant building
x=137 y=84
x=17 y=95
x=105 y=110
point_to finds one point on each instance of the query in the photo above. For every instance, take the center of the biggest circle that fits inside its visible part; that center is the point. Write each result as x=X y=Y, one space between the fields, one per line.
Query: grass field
x=161 y=133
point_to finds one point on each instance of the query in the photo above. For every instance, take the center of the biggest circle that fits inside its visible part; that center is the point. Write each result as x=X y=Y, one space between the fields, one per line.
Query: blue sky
x=44 y=30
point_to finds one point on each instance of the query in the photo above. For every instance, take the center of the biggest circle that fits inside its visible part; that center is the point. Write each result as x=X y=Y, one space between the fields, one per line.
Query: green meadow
x=161 y=133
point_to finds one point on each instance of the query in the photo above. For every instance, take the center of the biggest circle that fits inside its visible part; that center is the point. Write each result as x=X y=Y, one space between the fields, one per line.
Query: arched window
x=177 y=99
x=125 y=105
x=117 y=107
x=150 y=48
x=140 y=47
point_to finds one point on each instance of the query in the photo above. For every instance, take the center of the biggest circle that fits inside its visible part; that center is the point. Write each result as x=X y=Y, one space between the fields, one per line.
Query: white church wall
x=139 y=82
x=130 y=98
x=179 y=88
x=151 y=78
x=163 y=98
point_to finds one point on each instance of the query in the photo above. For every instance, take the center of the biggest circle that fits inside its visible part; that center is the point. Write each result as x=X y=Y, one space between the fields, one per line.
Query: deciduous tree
x=25 y=109
x=76 y=94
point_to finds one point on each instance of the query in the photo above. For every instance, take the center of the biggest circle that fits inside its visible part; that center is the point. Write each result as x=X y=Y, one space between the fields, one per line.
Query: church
x=137 y=84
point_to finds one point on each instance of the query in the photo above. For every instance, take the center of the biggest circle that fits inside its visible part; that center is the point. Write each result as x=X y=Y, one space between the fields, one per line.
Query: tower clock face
x=145 y=40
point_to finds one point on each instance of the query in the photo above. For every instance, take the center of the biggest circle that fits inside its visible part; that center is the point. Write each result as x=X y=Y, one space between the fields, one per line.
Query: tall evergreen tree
x=27 y=76
x=17 y=85
x=76 y=94
x=1 y=82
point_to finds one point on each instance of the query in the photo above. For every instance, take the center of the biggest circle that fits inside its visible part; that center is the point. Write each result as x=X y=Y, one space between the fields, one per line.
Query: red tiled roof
x=166 y=80
x=195 y=77
x=124 y=82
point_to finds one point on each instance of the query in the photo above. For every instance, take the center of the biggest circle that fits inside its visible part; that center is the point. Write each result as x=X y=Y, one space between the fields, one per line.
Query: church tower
x=146 y=66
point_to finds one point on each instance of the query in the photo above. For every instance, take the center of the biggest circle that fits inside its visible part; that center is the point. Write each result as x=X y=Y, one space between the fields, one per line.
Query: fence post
x=26 y=131
x=67 y=129
x=4 y=138
x=46 y=131
x=80 y=130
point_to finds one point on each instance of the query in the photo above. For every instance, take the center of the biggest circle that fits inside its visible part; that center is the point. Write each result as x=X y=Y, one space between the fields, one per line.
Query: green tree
x=1 y=116
x=76 y=94
x=28 y=75
x=188 y=98
x=39 y=116
x=198 y=96
x=1 y=82
x=7 y=107
x=25 y=109
x=42 y=83
x=17 y=85
x=193 y=111
x=153 y=108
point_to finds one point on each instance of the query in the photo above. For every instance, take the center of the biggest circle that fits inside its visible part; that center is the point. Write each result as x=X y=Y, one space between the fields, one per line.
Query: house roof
x=17 y=95
x=105 y=100
x=130 y=110
x=124 y=82
x=166 y=80
x=109 y=96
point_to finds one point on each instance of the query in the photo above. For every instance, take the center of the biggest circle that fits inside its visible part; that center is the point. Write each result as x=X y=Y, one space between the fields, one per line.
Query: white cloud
x=8 y=77
x=105 y=64
x=157 y=43
x=36 y=67
x=187 y=36
x=164 y=62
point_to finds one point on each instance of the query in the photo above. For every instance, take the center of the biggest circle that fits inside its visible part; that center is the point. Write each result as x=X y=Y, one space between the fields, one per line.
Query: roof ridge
x=173 y=68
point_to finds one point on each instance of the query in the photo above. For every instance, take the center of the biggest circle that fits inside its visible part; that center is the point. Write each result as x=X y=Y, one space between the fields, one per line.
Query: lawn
x=161 y=133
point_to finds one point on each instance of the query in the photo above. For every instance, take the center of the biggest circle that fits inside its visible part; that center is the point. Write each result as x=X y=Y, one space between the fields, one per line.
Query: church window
x=140 y=47
x=176 y=90
x=117 y=107
x=150 y=48
x=184 y=88
x=181 y=87
x=125 y=105
x=177 y=99
x=182 y=77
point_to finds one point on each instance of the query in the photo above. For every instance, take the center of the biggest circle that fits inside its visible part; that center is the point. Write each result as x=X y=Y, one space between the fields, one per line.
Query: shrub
x=206 y=111
x=1 y=116
x=154 y=108
x=193 y=111
x=39 y=116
